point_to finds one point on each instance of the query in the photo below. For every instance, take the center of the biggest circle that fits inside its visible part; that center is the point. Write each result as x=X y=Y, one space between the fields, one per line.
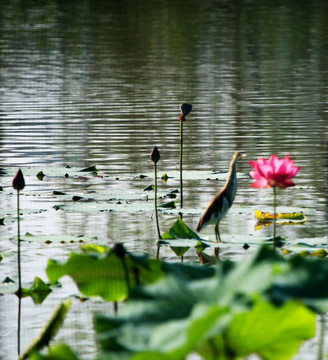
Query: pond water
x=99 y=83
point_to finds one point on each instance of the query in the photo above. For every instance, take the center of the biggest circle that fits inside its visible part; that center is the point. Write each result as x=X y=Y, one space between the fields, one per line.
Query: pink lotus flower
x=273 y=172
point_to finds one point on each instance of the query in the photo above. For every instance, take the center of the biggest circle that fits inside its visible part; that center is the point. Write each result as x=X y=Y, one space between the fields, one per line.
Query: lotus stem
x=154 y=157
x=18 y=249
x=185 y=110
x=181 y=153
x=19 y=325
x=18 y=184
x=19 y=291
x=156 y=213
x=274 y=218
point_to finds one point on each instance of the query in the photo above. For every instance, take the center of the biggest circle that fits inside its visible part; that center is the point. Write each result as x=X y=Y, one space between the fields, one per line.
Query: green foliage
x=38 y=291
x=179 y=230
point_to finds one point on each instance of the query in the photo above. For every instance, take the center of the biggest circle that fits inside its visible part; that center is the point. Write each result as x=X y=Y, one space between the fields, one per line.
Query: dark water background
x=99 y=83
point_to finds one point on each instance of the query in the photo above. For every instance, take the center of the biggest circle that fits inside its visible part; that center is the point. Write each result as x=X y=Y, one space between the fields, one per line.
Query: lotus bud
x=18 y=181
x=155 y=155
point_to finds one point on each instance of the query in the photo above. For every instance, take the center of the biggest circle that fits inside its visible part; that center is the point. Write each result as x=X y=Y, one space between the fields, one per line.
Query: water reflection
x=93 y=82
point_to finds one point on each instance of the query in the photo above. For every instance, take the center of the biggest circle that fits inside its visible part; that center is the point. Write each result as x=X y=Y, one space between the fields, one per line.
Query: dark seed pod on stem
x=185 y=110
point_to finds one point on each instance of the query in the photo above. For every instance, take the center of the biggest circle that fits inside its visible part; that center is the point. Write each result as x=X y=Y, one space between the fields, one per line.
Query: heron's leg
x=217 y=233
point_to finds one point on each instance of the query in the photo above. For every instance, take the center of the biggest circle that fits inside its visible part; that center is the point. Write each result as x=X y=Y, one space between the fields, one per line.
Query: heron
x=218 y=208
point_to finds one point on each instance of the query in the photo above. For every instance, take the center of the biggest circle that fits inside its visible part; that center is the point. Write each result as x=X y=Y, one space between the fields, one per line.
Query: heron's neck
x=231 y=180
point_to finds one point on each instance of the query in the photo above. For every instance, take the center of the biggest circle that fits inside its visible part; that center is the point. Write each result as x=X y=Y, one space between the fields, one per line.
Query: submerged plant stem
x=181 y=151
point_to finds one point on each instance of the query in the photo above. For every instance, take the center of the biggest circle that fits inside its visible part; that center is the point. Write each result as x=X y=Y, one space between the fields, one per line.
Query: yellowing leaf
x=290 y=216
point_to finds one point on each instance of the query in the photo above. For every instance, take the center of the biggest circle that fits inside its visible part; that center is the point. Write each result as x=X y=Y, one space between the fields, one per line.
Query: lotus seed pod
x=185 y=109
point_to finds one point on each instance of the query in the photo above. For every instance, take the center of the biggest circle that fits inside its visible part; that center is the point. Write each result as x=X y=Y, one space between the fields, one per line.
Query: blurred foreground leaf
x=49 y=331
x=306 y=281
x=99 y=271
x=271 y=332
x=57 y=352
x=225 y=314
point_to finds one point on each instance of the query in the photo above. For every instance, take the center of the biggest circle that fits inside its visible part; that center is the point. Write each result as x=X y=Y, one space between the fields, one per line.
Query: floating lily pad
x=37 y=289
x=199 y=175
x=40 y=175
x=64 y=239
x=170 y=204
x=50 y=171
x=77 y=198
x=58 y=193
x=92 y=168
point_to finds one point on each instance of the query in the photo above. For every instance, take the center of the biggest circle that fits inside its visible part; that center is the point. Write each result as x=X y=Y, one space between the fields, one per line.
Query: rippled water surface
x=99 y=83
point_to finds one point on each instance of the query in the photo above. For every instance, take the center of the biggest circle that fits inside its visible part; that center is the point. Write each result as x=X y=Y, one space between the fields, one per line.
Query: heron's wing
x=215 y=211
